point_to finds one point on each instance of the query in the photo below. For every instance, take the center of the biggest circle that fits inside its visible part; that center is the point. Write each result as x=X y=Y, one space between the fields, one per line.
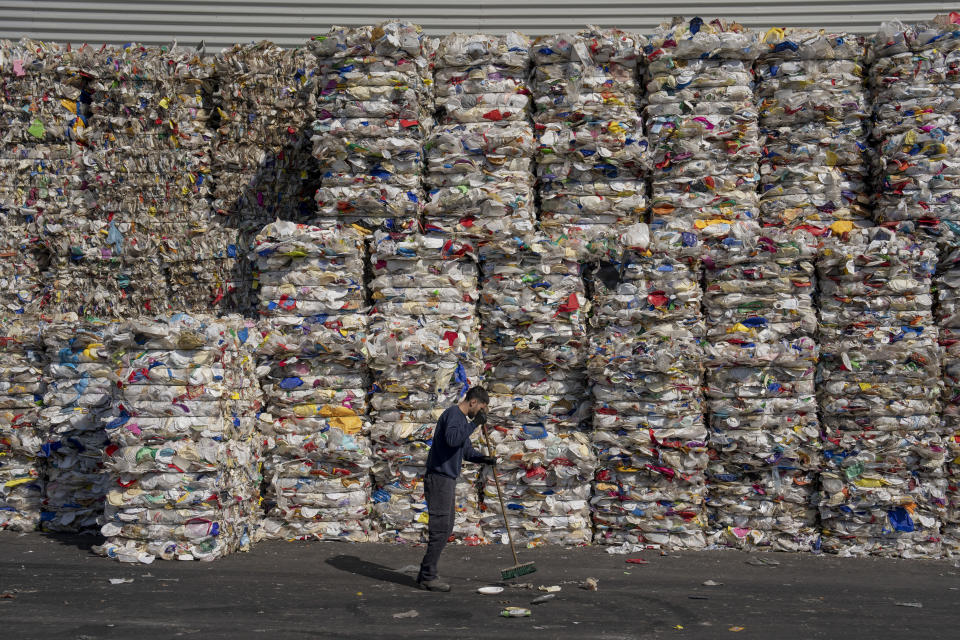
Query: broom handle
x=503 y=509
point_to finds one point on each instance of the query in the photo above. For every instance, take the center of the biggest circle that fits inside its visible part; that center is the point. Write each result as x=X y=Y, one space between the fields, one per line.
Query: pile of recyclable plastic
x=43 y=114
x=21 y=466
x=950 y=424
x=264 y=98
x=77 y=405
x=814 y=121
x=883 y=481
x=183 y=457
x=374 y=112
x=479 y=156
x=761 y=350
x=311 y=364
x=591 y=151
x=423 y=351
x=645 y=361
x=533 y=311
x=702 y=126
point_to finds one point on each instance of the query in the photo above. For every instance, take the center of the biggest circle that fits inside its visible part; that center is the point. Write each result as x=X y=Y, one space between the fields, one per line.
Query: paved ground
x=54 y=587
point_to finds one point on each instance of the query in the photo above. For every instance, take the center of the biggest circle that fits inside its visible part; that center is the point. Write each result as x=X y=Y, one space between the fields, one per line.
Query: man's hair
x=479 y=394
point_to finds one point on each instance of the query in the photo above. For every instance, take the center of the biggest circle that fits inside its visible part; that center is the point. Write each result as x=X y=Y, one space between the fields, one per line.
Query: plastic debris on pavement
x=814 y=120
x=761 y=362
x=702 y=126
x=21 y=436
x=479 y=155
x=311 y=364
x=183 y=455
x=533 y=310
x=591 y=151
x=77 y=404
x=645 y=360
x=423 y=351
x=883 y=484
x=374 y=112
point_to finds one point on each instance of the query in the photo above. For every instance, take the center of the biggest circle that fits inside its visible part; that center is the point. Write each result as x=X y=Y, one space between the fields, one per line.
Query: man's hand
x=487 y=460
x=480 y=419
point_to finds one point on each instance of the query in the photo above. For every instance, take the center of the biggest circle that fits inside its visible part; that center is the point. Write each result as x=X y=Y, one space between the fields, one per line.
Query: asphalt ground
x=54 y=587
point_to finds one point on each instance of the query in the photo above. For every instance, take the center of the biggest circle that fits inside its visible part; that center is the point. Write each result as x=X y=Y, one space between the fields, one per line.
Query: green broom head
x=517 y=571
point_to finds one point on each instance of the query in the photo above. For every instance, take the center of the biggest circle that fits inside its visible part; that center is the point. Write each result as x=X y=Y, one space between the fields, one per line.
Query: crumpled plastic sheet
x=374 y=113
x=77 y=403
x=183 y=455
x=947 y=283
x=21 y=464
x=702 y=126
x=592 y=152
x=914 y=87
x=645 y=364
x=311 y=364
x=883 y=482
x=479 y=156
x=764 y=442
x=423 y=350
x=814 y=120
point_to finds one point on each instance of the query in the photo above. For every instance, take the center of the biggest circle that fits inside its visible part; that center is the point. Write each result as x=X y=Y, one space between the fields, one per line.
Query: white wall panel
x=291 y=23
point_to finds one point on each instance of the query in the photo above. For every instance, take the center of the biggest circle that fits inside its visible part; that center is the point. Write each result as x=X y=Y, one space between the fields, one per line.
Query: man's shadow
x=353 y=564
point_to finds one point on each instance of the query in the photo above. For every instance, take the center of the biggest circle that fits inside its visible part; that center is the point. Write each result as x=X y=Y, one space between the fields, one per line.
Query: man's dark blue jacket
x=451 y=444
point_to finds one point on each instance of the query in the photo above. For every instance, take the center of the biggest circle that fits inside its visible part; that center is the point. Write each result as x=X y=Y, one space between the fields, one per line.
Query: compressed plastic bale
x=883 y=483
x=704 y=159
x=813 y=108
x=21 y=442
x=645 y=365
x=78 y=403
x=592 y=152
x=911 y=73
x=182 y=435
x=312 y=368
x=373 y=115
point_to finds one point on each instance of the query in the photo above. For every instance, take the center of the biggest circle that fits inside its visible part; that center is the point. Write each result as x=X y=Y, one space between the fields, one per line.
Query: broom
x=517 y=569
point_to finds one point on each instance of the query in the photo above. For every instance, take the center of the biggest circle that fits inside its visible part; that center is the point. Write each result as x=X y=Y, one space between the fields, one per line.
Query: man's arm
x=458 y=431
x=472 y=455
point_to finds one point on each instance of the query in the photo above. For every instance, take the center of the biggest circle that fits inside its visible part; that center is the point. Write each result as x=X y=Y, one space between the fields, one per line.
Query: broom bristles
x=517 y=571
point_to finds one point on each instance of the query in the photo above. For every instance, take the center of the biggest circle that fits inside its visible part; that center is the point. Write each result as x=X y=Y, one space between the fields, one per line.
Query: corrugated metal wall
x=290 y=23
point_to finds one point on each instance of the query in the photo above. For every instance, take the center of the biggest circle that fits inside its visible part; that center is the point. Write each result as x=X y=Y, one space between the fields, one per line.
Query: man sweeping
x=451 y=445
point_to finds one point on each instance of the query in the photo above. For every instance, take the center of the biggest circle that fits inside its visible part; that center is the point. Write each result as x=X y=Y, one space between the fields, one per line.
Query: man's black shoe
x=433 y=585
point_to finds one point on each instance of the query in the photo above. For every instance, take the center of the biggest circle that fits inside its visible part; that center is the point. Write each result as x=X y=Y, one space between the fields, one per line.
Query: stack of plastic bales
x=914 y=78
x=533 y=311
x=78 y=403
x=43 y=114
x=480 y=155
x=424 y=353
x=263 y=102
x=21 y=468
x=183 y=457
x=645 y=362
x=311 y=364
x=374 y=109
x=147 y=175
x=814 y=119
x=701 y=123
x=882 y=486
x=761 y=364
x=591 y=149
